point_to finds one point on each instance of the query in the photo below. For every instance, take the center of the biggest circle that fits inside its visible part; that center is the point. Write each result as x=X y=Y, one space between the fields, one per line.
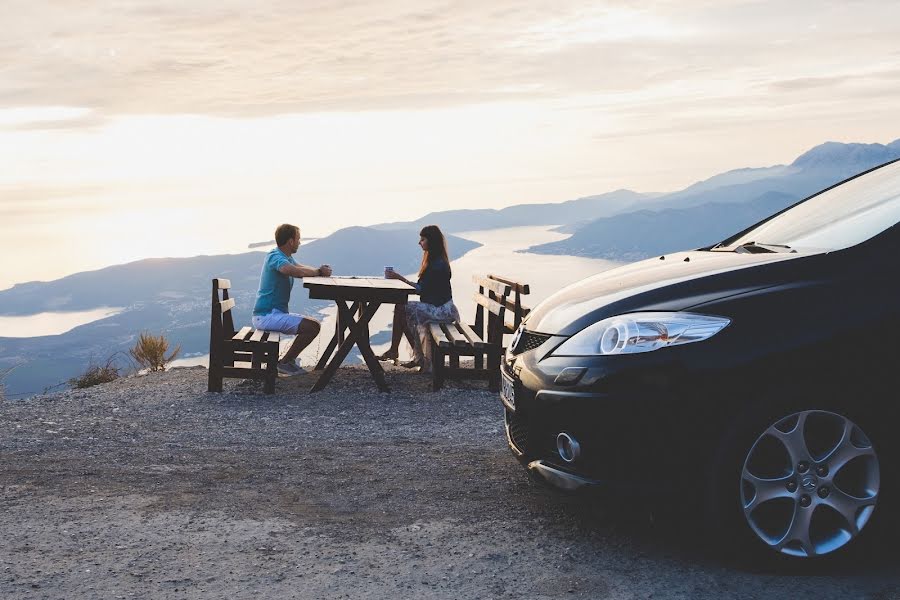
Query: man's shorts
x=276 y=320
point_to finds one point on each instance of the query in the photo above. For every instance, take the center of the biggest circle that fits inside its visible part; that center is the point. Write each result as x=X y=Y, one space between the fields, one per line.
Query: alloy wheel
x=810 y=483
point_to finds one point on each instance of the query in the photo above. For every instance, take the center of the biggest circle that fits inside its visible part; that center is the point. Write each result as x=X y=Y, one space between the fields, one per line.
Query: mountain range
x=711 y=210
x=171 y=295
x=639 y=234
x=553 y=213
x=627 y=225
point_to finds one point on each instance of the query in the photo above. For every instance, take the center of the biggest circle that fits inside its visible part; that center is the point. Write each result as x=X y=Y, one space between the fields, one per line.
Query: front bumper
x=560 y=478
x=637 y=429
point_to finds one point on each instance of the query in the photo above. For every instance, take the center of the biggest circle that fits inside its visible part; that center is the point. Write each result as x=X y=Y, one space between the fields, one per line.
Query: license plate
x=508 y=392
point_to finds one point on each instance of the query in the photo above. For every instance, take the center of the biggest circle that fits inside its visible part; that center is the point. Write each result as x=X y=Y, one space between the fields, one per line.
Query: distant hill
x=641 y=234
x=553 y=213
x=847 y=159
x=814 y=170
x=172 y=295
x=719 y=206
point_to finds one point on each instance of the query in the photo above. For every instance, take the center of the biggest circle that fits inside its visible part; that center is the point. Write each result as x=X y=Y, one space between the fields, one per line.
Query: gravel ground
x=151 y=487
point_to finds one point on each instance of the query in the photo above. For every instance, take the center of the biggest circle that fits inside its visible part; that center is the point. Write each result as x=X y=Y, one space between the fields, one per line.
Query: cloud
x=48 y=117
x=239 y=59
x=88 y=122
x=807 y=83
x=869 y=77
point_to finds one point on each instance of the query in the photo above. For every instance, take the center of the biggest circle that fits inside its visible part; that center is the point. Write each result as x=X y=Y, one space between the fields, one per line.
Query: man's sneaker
x=289 y=369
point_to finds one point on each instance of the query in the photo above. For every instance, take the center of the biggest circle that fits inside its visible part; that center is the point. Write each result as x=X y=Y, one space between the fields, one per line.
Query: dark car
x=757 y=376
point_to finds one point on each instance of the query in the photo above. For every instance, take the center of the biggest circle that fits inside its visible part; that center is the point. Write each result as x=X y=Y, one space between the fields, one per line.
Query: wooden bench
x=227 y=346
x=498 y=311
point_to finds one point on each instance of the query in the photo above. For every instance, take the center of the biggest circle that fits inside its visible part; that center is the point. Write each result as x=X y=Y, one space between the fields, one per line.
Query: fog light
x=568 y=447
x=569 y=376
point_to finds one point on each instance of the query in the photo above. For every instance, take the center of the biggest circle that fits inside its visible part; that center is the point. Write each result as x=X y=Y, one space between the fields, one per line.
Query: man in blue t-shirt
x=275 y=282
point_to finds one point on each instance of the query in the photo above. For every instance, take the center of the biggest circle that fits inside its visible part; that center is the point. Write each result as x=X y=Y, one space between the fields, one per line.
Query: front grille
x=517 y=426
x=529 y=340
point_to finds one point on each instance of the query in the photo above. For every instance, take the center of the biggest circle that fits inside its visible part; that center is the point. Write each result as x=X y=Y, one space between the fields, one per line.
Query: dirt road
x=150 y=487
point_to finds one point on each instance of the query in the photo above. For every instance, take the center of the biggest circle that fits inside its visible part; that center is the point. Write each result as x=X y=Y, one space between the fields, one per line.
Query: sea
x=53 y=323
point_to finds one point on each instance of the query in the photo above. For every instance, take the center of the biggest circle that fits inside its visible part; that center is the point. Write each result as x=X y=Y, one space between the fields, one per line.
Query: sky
x=138 y=129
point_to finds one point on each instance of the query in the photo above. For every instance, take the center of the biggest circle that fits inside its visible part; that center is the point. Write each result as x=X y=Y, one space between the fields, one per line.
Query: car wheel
x=802 y=486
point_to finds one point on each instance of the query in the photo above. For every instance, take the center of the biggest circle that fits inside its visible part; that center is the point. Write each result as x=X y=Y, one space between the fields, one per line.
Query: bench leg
x=437 y=367
x=271 y=358
x=215 y=378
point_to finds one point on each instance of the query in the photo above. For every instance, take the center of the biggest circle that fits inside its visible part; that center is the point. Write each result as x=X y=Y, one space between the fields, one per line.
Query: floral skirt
x=418 y=316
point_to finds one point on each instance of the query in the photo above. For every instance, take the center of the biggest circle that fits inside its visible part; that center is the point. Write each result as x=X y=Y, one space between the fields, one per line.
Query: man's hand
x=305 y=271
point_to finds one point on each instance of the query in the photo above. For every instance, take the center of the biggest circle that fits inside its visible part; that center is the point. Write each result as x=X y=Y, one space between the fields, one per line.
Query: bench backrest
x=500 y=300
x=221 y=322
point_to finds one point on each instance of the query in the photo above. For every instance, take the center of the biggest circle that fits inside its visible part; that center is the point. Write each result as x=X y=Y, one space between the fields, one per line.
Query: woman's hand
x=393 y=275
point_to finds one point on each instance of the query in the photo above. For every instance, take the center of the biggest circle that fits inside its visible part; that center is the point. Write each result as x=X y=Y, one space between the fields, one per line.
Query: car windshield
x=841 y=217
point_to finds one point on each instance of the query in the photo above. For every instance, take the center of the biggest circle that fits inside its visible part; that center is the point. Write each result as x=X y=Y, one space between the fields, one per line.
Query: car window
x=844 y=216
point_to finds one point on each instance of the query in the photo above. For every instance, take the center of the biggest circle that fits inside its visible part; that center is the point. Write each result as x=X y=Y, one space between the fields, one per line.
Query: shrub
x=150 y=352
x=95 y=375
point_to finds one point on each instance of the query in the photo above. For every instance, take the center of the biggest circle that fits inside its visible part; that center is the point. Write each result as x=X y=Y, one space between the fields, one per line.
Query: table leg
x=365 y=348
x=339 y=328
x=345 y=347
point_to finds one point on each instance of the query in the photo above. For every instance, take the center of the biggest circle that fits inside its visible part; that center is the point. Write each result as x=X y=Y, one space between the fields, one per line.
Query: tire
x=797 y=483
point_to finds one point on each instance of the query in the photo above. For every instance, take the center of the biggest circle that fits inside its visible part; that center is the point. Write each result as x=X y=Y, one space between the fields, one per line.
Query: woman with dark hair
x=435 y=305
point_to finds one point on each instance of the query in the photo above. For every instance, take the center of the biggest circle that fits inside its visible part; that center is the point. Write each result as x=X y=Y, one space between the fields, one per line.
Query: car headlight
x=641 y=332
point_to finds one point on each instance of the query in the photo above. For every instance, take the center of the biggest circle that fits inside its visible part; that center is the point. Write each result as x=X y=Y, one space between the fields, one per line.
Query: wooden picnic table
x=354 y=296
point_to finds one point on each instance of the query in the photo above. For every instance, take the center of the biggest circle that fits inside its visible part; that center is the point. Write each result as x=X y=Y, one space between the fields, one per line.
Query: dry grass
x=150 y=352
x=95 y=375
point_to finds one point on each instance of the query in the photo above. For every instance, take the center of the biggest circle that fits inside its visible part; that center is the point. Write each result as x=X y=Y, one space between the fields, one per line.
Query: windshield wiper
x=758 y=248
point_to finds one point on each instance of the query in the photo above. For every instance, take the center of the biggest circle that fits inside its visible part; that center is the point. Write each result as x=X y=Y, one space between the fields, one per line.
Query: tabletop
x=357 y=288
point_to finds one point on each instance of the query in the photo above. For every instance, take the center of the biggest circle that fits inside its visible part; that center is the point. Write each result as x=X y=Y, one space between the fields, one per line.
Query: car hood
x=673 y=282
